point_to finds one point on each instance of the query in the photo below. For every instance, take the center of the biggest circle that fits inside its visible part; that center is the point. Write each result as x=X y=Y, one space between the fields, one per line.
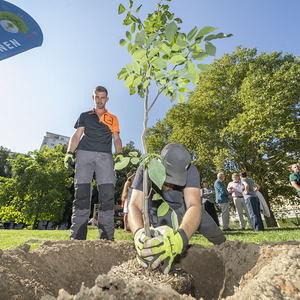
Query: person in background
x=295 y=178
x=252 y=201
x=94 y=155
x=235 y=189
x=126 y=195
x=207 y=194
x=223 y=198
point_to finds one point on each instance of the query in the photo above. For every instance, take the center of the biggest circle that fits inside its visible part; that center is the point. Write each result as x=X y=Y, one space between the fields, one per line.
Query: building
x=53 y=139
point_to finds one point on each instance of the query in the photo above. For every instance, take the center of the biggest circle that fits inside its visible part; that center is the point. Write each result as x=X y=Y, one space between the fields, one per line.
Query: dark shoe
x=243 y=228
x=228 y=229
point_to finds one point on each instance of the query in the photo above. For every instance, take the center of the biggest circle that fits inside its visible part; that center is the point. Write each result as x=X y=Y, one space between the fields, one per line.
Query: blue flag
x=18 y=31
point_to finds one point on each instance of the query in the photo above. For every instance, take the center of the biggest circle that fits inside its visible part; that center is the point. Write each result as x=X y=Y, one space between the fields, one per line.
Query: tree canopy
x=38 y=189
x=244 y=114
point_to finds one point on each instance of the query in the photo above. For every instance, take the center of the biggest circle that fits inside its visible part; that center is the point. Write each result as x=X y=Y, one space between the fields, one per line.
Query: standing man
x=223 y=197
x=236 y=190
x=295 y=178
x=181 y=191
x=207 y=195
x=94 y=155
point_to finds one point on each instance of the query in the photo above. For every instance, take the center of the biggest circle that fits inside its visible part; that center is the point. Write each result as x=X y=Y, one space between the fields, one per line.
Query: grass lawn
x=10 y=238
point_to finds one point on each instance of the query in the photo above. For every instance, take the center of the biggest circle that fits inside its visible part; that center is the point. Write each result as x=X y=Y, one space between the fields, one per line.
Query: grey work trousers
x=102 y=164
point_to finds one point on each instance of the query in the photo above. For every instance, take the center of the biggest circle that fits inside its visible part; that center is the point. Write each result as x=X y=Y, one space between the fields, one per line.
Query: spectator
x=223 y=198
x=207 y=194
x=235 y=189
x=252 y=201
x=295 y=178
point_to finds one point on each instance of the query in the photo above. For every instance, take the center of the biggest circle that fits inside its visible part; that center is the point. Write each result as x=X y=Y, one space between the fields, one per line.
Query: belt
x=240 y=197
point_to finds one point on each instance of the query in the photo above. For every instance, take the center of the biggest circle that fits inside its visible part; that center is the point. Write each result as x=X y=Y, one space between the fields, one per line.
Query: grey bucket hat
x=179 y=159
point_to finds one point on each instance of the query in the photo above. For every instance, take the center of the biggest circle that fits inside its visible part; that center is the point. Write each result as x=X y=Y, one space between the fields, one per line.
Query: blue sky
x=46 y=88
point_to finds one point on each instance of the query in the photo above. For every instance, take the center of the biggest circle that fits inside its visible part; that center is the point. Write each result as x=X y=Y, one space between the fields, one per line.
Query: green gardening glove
x=139 y=240
x=164 y=247
x=70 y=161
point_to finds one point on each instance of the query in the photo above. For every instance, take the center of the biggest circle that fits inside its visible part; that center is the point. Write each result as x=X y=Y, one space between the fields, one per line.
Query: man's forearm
x=135 y=218
x=74 y=141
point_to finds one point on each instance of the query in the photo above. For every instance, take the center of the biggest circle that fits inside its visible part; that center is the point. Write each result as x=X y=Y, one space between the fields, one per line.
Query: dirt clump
x=72 y=270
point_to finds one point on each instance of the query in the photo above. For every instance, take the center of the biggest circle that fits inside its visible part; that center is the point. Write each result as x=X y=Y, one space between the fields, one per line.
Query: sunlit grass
x=10 y=238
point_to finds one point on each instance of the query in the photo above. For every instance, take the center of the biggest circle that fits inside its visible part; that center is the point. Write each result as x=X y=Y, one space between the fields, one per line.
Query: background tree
x=163 y=57
x=38 y=189
x=4 y=166
x=243 y=115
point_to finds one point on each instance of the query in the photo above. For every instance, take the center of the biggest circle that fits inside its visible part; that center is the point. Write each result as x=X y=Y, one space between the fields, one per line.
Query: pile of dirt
x=71 y=270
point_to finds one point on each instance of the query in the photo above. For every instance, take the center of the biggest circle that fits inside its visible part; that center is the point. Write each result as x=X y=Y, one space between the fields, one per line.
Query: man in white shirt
x=235 y=188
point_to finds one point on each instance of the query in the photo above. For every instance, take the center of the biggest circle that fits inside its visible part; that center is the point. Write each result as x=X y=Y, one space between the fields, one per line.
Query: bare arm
x=75 y=139
x=257 y=187
x=246 y=185
x=117 y=142
x=192 y=217
x=135 y=208
x=295 y=185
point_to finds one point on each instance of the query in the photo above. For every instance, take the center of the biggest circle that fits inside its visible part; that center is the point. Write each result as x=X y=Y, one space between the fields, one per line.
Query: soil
x=72 y=270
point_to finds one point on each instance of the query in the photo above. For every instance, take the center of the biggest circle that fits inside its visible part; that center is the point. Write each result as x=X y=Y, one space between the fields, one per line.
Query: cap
x=179 y=159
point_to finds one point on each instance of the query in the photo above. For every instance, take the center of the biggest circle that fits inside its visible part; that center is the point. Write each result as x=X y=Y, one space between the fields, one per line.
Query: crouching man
x=181 y=191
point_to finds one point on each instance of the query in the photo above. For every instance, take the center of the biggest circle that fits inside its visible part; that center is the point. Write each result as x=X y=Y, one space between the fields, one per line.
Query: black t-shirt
x=97 y=131
x=174 y=197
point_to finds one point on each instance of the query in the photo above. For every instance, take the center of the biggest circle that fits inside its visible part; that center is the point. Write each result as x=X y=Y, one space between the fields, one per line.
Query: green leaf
x=129 y=80
x=157 y=172
x=173 y=96
x=121 y=9
x=158 y=63
x=128 y=35
x=178 y=20
x=159 y=74
x=138 y=9
x=153 y=51
x=210 y=49
x=205 y=30
x=170 y=31
x=199 y=56
x=122 y=74
x=130 y=4
x=129 y=68
x=180 y=45
x=157 y=196
x=138 y=54
x=194 y=48
x=136 y=67
x=177 y=59
x=140 y=38
x=122 y=42
x=137 y=81
x=181 y=98
x=220 y=35
x=203 y=67
x=133 y=153
x=163 y=209
x=129 y=47
x=122 y=164
x=133 y=27
x=146 y=83
x=151 y=38
x=148 y=73
x=192 y=33
x=174 y=220
x=135 y=160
